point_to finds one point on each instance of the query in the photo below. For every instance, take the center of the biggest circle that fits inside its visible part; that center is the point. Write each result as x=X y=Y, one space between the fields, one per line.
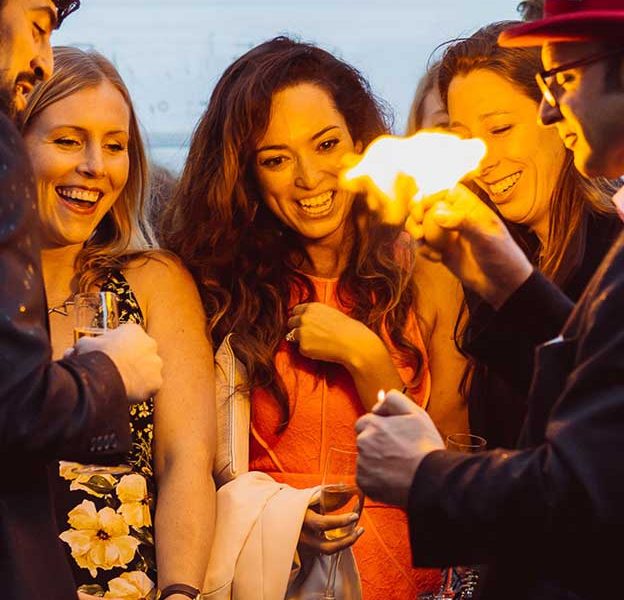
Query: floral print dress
x=106 y=520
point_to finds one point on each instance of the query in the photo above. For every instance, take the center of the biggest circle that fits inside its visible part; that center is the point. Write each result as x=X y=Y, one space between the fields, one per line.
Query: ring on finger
x=290 y=336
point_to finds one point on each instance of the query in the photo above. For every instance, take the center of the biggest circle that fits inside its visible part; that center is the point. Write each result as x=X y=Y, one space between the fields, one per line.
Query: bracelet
x=179 y=588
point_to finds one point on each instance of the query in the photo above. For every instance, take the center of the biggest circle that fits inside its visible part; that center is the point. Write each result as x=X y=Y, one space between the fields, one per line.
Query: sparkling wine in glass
x=94 y=314
x=339 y=495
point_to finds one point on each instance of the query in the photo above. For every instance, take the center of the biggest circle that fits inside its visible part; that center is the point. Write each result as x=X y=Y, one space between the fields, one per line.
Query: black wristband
x=179 y=588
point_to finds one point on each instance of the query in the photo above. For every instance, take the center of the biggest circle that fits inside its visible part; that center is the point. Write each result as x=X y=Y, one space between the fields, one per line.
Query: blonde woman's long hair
x=122 y=234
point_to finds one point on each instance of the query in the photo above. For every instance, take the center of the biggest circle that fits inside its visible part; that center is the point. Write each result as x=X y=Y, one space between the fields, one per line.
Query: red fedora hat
x=570 y=21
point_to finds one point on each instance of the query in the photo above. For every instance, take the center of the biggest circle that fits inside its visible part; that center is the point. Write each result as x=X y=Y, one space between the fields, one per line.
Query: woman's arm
x=440 y=299
x=184 y=421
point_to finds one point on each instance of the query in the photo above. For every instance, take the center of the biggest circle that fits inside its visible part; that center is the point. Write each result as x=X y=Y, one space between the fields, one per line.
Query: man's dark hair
x=530 y=10
x=65 y=8
x=614 y=83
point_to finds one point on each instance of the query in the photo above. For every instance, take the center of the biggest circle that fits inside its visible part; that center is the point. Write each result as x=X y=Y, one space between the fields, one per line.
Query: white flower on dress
x=132 y=492
x=99 y=539
x=135 y=585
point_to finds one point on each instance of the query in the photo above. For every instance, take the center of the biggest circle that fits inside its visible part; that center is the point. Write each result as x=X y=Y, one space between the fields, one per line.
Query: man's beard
x=7 y=99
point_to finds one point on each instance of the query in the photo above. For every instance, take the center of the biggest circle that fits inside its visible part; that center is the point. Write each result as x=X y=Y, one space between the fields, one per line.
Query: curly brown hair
x=243 y=258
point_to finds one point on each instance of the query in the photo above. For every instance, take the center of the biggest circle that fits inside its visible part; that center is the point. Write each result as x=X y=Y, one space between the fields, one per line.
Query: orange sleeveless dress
x=324 y=406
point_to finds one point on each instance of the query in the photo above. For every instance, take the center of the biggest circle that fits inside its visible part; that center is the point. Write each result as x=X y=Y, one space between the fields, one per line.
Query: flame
x=434 y=161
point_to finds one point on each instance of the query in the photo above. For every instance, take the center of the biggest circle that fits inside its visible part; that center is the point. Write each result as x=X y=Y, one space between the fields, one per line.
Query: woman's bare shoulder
x=159 y=275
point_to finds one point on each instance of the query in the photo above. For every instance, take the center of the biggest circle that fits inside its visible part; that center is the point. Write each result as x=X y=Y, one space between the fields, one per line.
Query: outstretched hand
x=457 y=228
x=392 y=441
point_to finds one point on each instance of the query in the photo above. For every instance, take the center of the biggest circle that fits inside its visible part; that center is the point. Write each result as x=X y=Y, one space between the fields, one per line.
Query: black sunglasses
x=543 y=76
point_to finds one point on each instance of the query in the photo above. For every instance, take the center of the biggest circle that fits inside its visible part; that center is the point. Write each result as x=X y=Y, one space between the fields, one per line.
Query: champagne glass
x=94 y=314
x=339 y=495
x=466 y=443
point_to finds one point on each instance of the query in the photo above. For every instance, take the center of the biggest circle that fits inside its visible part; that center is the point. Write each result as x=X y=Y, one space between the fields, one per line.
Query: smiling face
x=588 y=118
x=523 y=159
x=79 y=150
x=298 y=159
x=25 y=52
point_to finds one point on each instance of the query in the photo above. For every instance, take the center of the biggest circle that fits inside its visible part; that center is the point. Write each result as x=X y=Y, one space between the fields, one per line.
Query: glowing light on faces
x=79 y=150
x=435 y=162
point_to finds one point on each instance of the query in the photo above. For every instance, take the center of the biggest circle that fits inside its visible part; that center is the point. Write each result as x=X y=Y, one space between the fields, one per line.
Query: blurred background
x=172 y=53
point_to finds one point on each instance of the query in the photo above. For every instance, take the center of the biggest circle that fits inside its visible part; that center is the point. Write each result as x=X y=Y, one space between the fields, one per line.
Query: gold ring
x=290 y=336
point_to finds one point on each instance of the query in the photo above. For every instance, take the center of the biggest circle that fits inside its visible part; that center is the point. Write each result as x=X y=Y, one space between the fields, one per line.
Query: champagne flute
x=466 y=443
x=94 y=314
x=339 y=495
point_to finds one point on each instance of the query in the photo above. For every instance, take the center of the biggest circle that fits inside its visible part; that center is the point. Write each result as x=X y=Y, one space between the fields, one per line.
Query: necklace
x=60 y=309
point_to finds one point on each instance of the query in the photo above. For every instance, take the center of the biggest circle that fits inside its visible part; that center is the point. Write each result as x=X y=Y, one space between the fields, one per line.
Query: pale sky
x=171 y=53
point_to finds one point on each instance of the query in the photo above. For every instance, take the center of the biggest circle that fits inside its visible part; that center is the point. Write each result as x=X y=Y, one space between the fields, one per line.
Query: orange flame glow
x=435 y=161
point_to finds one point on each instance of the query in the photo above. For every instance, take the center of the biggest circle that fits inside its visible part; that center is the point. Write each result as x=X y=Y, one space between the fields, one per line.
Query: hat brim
x=579 y=26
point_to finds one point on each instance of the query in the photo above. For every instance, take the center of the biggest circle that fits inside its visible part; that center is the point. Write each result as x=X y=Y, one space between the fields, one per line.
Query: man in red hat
x=548 y=516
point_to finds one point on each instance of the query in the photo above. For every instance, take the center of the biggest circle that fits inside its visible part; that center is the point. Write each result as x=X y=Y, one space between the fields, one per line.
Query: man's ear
x=358 y=147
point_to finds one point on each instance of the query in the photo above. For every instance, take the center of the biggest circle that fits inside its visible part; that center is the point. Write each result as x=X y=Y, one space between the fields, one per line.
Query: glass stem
x=330 y=592
x=446 y=589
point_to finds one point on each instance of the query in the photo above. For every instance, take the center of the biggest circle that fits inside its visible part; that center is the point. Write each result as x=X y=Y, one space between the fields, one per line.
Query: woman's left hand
x=325 y=333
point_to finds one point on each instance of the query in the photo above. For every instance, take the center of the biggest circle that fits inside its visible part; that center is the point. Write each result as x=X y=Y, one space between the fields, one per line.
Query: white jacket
x=254 y=555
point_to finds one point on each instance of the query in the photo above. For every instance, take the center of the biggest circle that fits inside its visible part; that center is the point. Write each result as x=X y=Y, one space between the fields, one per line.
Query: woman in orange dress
x=321 y=297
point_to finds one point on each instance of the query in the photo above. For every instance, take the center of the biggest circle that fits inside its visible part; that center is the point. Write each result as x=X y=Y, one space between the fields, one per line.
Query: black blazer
x=74 y=409
x=546 y=516
x=502 y=343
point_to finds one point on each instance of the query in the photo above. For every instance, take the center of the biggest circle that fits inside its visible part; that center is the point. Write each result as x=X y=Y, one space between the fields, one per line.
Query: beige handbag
x=233 y=415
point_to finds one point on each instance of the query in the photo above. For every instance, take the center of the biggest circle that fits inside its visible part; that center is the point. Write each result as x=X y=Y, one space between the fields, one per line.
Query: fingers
x=395 y=403
x=315 y=526
x=364 y=421
x=299 y=309
x=429 y=253
x=320 y=523
x=294 y=323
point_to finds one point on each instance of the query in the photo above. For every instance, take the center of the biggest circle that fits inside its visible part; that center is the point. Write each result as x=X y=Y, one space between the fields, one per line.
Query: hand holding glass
x=94 y=314
x=339 y=495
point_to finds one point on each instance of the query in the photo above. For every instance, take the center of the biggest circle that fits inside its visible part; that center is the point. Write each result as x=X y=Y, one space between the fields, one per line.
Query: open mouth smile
x=319 y=205
x=504 y=185
x=80 y=199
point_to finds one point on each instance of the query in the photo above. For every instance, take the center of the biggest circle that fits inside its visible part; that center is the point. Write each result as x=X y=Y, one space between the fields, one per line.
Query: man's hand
x=472 y=241
x=134 y=354
x=392 y=441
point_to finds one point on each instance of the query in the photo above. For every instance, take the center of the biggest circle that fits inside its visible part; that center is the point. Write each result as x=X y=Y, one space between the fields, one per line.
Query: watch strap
x=179 y=588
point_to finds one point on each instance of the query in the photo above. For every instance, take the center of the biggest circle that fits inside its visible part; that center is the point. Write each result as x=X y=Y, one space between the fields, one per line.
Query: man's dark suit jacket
x=74 y=409
x=548 y=517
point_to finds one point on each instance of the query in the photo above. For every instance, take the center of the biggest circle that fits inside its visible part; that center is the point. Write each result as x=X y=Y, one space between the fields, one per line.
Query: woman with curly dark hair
x=320 y=296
